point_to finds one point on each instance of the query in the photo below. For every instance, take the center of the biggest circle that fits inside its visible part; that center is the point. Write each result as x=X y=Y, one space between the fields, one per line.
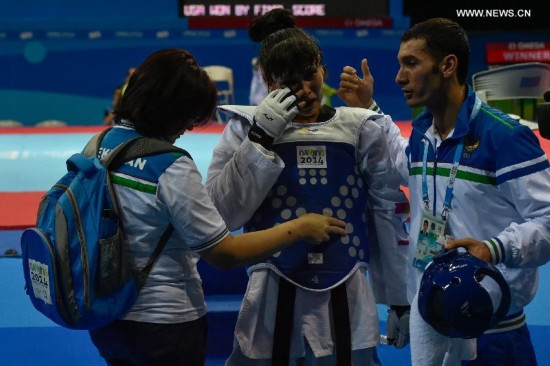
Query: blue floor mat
x=29 y=338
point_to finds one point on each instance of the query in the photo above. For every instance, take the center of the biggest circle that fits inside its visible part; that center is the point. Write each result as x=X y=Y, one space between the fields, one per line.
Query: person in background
x=477 y=172
x=311 y=305
x=168 y=94
x=327 y=91
x=258 y=87
x=108 y=119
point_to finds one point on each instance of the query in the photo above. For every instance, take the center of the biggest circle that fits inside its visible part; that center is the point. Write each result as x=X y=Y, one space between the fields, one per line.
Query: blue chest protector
x=320 y=177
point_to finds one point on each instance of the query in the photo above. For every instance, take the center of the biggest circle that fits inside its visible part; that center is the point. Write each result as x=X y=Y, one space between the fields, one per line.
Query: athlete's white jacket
x=240 y=176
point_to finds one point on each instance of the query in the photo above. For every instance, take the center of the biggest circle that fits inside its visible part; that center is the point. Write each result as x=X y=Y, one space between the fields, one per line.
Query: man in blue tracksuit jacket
x=477 y=173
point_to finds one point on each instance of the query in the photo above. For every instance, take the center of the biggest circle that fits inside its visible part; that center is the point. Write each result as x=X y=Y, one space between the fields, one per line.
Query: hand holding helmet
x=454 y=299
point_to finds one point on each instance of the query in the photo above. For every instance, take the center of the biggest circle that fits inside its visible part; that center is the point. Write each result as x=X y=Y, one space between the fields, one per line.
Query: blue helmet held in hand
x=462 y=296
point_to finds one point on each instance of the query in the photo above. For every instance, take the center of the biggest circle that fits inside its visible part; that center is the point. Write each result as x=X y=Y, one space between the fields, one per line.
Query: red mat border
x=210 y=128
x=9 y=220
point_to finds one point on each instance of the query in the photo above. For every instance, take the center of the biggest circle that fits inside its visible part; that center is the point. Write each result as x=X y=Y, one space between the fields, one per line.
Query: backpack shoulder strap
x=129 y=150
x=140 y=147
x=92 y=147
x=141 y=275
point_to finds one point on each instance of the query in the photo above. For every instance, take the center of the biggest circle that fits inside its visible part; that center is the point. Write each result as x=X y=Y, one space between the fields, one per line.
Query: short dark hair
x=167 y=93
x=289 y=54
x=443 y=37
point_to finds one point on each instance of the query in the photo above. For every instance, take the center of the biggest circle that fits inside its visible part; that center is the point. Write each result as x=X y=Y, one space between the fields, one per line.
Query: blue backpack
x=76 y=269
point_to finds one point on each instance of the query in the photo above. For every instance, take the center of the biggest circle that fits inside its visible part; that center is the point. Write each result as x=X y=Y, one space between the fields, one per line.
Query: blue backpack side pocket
x=40 y=270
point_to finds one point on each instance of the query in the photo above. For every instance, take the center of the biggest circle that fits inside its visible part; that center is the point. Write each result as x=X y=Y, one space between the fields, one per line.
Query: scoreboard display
x=328 y=13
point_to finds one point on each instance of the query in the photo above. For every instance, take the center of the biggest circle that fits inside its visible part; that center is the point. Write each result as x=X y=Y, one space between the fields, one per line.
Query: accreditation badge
x=431 y=239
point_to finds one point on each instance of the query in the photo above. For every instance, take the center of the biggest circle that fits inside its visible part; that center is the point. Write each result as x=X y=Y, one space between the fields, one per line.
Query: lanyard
x=454 y=168
x=452 y=177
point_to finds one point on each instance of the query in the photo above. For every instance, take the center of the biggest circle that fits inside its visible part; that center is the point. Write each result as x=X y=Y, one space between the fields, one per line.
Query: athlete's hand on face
x=474 y=247
x=356 y=91
x=316 y=228
x=276 y=111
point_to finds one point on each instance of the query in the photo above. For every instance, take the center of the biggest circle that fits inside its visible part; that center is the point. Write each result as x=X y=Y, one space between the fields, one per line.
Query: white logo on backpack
x=40 y=280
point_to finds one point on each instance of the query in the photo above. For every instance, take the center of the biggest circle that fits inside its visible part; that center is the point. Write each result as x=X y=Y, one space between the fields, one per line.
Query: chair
x=524 y=83
x=223 y=77
x=10 y=123
x=51 y=123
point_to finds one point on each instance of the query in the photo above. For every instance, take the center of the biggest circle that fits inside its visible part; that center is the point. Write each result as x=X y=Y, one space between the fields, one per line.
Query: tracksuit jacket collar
x=424 y=121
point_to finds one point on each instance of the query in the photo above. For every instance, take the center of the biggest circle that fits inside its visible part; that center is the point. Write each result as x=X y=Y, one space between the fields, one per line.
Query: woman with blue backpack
x=168 y=94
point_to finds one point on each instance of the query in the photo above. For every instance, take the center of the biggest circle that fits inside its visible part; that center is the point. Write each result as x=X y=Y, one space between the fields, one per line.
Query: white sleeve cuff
x=496 y=248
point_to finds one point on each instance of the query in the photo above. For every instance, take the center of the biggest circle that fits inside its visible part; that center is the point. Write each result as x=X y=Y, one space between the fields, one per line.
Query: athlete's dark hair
x=287 y=53
x=167 y=93
x=443 y=37
x=289 y=56
x=270 y=22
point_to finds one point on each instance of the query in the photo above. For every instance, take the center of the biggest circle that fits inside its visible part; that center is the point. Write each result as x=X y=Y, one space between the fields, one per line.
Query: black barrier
x=543 y=116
